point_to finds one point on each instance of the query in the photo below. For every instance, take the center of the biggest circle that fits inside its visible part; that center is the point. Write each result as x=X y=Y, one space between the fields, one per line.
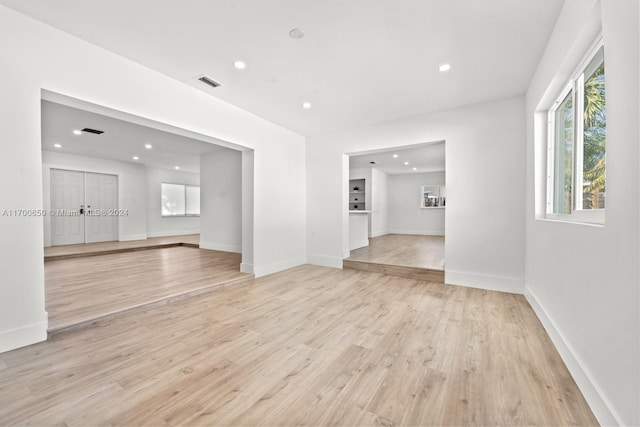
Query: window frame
x=184 y=187
x=575 y=86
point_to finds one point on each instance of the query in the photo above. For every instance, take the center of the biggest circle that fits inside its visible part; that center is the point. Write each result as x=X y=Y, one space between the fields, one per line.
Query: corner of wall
x=25 y=335
x=263 y=270
x=512 y=285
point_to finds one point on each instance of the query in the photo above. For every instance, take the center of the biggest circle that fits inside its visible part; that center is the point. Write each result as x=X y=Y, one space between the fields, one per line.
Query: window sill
x=593 y=218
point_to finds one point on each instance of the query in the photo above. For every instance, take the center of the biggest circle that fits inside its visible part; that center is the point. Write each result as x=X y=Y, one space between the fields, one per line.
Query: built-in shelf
x=433 y=197
x=357 y=194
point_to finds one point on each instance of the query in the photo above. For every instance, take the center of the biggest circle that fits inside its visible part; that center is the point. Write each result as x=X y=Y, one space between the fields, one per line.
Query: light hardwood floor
x=403 y=250
x=308 y=346
x=82 y=289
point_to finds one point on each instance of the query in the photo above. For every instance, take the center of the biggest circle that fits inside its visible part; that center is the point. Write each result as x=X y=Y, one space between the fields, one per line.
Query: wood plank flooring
x=403 y=250
x=404 y=255
x=69 y=251
x=79 y=290
x=308 y=346
x=394 y=270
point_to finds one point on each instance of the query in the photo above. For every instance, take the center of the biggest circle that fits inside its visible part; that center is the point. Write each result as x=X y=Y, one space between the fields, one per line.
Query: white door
x=101 y=197
x=67 y=201
x=85 y=207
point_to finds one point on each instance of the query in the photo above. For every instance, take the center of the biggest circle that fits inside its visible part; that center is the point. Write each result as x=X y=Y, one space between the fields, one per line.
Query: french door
x=84 y=207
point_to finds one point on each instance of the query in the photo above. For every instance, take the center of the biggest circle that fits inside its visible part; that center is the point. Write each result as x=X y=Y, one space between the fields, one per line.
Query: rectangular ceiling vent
x=96 y=131
x=208 y=81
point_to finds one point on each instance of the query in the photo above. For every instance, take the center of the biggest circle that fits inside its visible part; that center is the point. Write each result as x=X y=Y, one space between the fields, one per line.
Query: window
x=577 y=145
x=180 y=200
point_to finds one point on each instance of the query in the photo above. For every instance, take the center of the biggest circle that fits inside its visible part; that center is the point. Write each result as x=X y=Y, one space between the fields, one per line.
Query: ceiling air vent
x=89 y=130
x=208 y=81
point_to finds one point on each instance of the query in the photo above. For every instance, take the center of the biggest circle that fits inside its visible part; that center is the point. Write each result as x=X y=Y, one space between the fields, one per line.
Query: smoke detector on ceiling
x=296 y=33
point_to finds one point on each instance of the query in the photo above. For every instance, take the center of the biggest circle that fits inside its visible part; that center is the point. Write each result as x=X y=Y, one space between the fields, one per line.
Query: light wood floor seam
x=80 y=289
x=94 y=319
x=117 y=251
x=429 y=275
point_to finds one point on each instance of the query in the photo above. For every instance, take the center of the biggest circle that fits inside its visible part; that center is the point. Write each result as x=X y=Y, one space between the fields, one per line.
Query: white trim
x=434 y=232
x=513 y=285
x=173 y=233
x=220 y=247
x=246 y=268
x=593 y=217
x=263 y=270
x=131 y=237
x=326 y=261
x=360 y=244
x=379 y=233
x=600 y=406
x=24 y=335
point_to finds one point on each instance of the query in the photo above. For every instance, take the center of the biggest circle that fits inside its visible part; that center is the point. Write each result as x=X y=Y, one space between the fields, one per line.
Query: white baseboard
x=23 y=336
x=590 y=390
x=359 y=244
x=434 y=232
x=379 y=233
x=172 y=233
x=131 y=237
x=220 y=247
x=325 y=261
x=512 y=285
x=246 y=268
x=263 y=270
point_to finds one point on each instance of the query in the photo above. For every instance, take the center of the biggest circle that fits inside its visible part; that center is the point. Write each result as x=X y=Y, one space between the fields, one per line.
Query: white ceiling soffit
x=428 y=157
x=121 y=140
x=360 y=61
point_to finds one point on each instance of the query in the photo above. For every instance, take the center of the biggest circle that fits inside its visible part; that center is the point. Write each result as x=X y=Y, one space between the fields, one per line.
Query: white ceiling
x=361 y=61
x=121 y=139
x=428 y=157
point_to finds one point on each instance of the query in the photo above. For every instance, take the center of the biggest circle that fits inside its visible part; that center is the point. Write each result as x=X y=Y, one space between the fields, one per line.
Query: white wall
x=485 y=147
x=158 y=226
x=379 y=204
x=35 y=57
x=405 y=214
x=583 y=280
x=221 y=201
x=132 y=190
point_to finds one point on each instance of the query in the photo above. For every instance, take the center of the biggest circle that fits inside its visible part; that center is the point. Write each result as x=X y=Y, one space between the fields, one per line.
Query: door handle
x=81 y=209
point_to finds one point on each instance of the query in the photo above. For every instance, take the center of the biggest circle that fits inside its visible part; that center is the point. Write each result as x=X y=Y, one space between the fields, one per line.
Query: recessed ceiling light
x=444 y=67
x=240 y=65
x=148 y=146
x=406 y=163
x=296 y=33
x=77 y=132
x=395 y=156
x=415 y=169
x=176 y=167
x=306 y=105
x=135 y=157
x=57 y=145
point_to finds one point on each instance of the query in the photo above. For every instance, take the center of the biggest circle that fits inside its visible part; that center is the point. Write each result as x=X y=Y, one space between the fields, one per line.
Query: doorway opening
x=110 y=245
x=396 y=201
